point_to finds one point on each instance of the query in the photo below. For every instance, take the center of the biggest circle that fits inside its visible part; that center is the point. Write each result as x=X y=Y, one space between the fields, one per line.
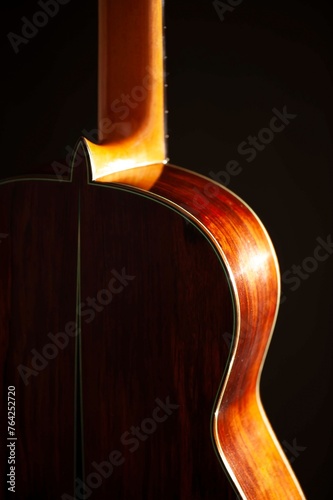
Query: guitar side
x=245 y=440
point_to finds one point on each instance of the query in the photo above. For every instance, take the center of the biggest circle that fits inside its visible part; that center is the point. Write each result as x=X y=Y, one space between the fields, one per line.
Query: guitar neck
x=131 y=110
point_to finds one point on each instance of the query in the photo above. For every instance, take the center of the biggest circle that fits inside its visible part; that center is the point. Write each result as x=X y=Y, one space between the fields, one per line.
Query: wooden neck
x=131 y=112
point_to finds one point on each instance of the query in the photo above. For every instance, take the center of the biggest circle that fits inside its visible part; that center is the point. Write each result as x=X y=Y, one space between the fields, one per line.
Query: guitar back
x=124 y=387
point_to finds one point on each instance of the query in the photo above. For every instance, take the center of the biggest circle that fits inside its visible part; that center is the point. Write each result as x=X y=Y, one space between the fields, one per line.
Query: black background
x=224 y=79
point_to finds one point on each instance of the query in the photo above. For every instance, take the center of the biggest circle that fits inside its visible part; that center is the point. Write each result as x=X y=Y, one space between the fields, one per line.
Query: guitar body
x=133 y=349
x=151 y=336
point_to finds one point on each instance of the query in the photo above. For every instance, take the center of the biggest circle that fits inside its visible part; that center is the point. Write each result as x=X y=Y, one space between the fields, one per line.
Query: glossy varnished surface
x=37 y=298
x=160 y=340
x=164 y=336
x=131 y=110
x=246 y=442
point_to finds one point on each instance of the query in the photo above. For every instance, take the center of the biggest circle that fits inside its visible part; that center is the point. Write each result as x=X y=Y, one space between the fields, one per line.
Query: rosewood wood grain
x=40 y=253
x=159 y=339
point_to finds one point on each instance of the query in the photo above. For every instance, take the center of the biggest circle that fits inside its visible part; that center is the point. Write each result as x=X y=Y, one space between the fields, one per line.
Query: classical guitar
x=117 y=293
